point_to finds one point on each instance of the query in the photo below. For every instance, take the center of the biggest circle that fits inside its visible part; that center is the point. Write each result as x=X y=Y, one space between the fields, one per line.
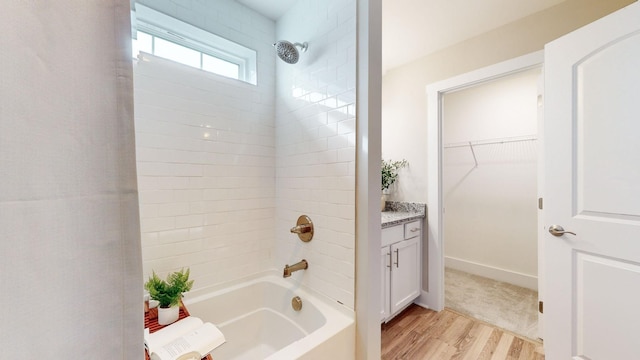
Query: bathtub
x=259 y=322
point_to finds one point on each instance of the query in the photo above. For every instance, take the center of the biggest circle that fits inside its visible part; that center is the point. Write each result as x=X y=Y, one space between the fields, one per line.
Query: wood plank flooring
x=419 y=333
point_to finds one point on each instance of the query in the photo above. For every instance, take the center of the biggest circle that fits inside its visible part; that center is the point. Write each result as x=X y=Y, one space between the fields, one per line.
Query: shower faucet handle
x=301 y=229
x=304 y=228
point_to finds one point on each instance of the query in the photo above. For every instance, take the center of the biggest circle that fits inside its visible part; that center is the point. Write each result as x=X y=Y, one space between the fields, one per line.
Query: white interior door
x=540 y=193
x=592 y=188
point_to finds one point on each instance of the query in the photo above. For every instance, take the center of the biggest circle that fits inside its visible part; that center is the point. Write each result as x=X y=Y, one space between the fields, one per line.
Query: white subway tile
x=337 y=142
x=173 y=209
x=155 y=196
x=173 y=236
x=189 y=221
x=188 y=195
x=148 y=211
x=196 y=232
x=347 y=154
x=149 y=239
x=156 y=224
x=196 y=207
x=173 y=183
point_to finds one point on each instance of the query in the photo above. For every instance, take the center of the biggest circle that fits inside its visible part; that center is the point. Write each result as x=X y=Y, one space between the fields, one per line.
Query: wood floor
x=419 y=333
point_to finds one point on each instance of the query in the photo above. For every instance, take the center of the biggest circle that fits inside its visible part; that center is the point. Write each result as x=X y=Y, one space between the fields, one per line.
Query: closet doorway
x=489 y=193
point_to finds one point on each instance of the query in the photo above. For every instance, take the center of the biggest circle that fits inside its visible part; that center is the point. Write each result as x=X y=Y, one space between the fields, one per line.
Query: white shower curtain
x=70 y=263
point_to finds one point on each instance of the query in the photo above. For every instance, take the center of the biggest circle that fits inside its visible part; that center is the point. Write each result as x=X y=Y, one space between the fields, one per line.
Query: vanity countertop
x=396 y=213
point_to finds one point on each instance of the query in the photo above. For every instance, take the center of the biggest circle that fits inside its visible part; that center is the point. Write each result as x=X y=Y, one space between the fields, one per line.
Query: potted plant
x=389 y=176
x=168 y=294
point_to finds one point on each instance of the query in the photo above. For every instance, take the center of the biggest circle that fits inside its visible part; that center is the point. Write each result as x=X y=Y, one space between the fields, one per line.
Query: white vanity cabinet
x=401 y=267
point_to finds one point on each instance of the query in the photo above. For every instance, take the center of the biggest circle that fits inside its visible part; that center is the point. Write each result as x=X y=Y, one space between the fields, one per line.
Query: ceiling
x=412 y=29
x=272 y=9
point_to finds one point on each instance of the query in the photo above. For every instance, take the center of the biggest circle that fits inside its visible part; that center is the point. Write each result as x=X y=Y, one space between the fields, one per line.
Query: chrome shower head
x=288 y=52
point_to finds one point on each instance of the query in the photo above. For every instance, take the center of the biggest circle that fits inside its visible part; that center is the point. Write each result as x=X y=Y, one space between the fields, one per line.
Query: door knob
x=557 y=230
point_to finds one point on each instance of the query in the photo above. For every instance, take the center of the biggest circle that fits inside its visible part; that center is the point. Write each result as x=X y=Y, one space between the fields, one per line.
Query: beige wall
x=404 y=108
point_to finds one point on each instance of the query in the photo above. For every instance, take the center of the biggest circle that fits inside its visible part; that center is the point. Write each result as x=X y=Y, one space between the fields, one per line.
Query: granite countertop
x=396 y=213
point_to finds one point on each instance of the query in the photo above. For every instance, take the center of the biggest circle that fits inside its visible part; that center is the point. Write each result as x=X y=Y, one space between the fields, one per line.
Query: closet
x=490 y=201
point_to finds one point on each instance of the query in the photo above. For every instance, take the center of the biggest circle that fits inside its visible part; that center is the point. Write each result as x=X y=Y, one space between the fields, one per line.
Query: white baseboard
x=508 y=276
x=422 y=300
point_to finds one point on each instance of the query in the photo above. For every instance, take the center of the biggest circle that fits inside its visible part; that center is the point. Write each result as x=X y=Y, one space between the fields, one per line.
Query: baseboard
x=429 y=300
x=508 y=276
x=421 y=300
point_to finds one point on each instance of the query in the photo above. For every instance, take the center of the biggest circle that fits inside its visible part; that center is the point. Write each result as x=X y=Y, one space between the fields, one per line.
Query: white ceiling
x=412 y=29
x=272 y=9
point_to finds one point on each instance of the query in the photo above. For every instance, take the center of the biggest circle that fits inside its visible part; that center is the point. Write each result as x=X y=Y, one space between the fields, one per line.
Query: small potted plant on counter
x=389 y=176
x=168 y=294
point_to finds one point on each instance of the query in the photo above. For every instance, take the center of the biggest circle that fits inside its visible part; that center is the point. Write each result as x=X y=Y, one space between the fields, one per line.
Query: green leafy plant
x=390 y=171
x=168 y=292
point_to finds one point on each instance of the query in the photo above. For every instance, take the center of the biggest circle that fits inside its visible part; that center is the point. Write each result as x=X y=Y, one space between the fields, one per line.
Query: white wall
x=368 y=154
x=315 y=132
x=491 y=210
x=404 y=104
x=506 y=107
x=70 y=269
x=206 y=154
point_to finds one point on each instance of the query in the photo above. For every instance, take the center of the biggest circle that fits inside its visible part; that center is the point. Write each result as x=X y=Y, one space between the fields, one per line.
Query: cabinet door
x=385 y=264
x=405 y=273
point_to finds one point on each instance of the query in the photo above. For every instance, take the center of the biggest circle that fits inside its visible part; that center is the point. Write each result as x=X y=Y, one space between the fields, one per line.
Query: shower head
x=288 y=52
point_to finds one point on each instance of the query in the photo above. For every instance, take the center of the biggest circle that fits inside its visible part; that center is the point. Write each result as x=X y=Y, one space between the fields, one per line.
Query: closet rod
x=489 y=142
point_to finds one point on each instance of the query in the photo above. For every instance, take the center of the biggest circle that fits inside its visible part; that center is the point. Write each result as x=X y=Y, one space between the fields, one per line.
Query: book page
x=178 y=347
x=171 y=332
x=202 y=341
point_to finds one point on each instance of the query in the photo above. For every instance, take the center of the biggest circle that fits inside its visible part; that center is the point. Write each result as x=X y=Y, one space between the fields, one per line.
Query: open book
x=185 y=339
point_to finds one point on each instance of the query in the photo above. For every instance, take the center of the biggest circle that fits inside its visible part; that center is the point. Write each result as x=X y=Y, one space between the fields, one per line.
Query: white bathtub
x=258 y=321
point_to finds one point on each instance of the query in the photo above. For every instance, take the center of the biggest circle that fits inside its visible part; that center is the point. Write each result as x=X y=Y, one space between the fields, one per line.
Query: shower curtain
x=70 y=273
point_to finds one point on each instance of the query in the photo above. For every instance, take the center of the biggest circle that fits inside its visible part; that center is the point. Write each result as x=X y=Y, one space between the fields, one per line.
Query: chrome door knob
x=557 y=230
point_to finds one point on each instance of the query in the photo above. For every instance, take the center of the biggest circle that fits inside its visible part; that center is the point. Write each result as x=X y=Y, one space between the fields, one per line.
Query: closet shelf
x=471 y=144
x=490 y=141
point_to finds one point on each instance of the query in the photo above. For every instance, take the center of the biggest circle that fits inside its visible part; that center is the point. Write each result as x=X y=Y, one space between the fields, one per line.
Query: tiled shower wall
x=205 y=148
x=315 y=145
x=222 y=180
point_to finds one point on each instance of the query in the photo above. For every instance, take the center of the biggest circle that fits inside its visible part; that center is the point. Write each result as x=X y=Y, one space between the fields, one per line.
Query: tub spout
x=302 y=265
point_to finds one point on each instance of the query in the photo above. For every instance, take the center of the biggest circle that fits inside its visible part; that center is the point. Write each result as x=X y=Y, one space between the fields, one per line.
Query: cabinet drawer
x=412 y=229
x=392 y=235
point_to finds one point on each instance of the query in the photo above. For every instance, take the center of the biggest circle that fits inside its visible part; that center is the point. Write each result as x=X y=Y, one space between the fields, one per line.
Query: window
x=183 y=43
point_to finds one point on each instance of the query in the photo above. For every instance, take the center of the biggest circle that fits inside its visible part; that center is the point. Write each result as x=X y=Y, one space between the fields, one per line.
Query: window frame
x=159 y=25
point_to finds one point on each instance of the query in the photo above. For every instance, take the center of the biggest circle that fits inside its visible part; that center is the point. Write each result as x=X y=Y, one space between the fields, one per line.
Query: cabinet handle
x=397 y=257
x=389 y=266
x=415 y=229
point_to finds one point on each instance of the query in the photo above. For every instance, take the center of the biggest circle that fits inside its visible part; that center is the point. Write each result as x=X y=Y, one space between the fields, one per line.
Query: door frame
x=433 y=297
